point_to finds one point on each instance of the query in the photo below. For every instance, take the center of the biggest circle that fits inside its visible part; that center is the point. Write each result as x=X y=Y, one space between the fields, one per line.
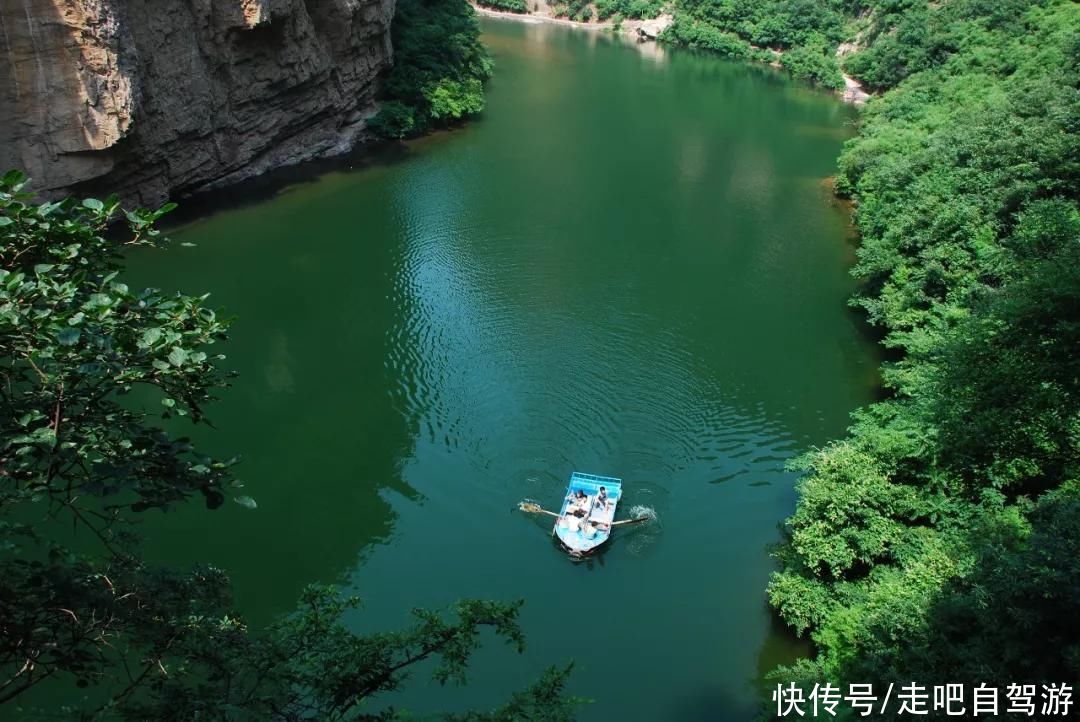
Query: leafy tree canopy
x=439 y=70
x=802 y=35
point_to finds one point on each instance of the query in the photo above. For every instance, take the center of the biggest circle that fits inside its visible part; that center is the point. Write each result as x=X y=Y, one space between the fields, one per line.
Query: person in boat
x=578 y=500
x=602 y=499
x=572 y=521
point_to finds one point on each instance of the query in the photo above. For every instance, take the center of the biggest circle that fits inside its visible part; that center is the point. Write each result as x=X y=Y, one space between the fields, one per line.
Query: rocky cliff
x=166 y=97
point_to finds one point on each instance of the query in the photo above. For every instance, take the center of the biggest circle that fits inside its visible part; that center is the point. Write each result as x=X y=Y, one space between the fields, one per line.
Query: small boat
x=585 y=520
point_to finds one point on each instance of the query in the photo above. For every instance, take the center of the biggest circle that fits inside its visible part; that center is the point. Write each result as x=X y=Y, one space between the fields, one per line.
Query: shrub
x=628 y=8
x=814 y=63
x=395 y=120
x=697 y=34
x=440 y=66
x=513 y=6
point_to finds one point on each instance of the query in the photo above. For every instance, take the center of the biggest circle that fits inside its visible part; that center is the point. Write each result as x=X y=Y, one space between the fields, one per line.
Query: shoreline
x=852 y=93
x=628 y=27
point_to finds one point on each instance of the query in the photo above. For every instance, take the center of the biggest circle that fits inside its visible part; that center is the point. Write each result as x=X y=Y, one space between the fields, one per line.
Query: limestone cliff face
x=152 y=98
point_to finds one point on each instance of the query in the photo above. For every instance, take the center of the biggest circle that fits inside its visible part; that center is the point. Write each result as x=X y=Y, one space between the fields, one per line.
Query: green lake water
x=631 y=266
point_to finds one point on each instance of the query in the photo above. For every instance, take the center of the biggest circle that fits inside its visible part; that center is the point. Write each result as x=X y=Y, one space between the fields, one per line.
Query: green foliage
x=394 y=121
x=576 y=10
x=336 y=672
x=1010 y=372
x=628 y=8
x=1026 y=578
x=816 y=62
x=513 y=6
x=704 y=36
x=439 y=70
x=938 y=540
x=777 y=24
x=801 y=34
x=87 y=368
x=908 y=38
x=76 y=339
x=453 y=100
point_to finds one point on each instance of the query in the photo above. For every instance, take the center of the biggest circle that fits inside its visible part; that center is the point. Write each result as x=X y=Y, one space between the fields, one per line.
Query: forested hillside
x=940 y=540
x=802 y=35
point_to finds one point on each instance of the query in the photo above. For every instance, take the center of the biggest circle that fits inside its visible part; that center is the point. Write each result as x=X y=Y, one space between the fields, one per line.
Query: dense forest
x=940 y=540
x=801 y=35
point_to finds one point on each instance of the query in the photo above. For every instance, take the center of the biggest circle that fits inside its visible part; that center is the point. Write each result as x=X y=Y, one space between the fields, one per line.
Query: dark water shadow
x=253 y=191
x=203 y=204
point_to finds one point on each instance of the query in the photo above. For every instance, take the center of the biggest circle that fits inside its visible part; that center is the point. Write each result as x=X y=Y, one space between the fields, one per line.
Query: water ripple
x=497 y=349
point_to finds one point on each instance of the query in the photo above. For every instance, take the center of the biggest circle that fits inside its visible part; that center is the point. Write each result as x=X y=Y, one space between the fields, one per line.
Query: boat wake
x=641 y=538
x=647 y=512
x=531 y=506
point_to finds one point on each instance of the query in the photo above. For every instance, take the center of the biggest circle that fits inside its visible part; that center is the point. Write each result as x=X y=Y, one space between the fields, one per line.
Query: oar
x=630 y=521
x=532 y=508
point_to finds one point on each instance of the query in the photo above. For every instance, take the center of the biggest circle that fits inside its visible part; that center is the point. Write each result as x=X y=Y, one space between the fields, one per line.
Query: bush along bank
x=440 y=67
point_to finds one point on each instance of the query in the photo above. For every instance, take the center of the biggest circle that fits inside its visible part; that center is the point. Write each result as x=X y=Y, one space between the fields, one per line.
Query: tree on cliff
x=83 y=360
x=440 y=67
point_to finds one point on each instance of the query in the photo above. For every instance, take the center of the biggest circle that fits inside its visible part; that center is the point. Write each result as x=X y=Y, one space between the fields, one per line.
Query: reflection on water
x=620 y=269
